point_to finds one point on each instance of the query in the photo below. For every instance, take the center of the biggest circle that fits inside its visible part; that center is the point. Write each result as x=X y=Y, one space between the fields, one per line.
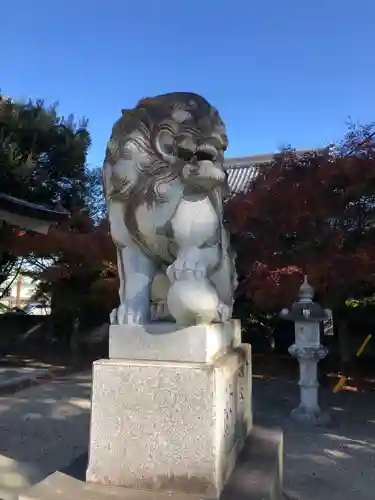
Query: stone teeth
x=207 y=148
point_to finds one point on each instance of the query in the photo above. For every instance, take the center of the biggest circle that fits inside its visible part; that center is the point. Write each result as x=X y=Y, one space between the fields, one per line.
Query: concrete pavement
x=46 y=428
x=42 y=429
x=15 y=376
x=334 y=462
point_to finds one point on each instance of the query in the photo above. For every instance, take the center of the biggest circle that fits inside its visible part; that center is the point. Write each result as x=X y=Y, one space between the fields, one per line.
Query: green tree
x=95 y=200
x=42 y=160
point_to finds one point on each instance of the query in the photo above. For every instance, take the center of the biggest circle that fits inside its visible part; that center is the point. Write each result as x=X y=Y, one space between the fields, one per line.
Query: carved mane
x=133 y=138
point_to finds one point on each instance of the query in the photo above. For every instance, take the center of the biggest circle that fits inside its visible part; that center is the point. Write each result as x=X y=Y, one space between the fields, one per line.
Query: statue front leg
x=135 y=270
x=136 y=273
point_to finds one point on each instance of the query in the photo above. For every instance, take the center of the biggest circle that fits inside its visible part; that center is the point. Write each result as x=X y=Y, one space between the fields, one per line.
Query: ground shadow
x=43 y=429
x=331 y=462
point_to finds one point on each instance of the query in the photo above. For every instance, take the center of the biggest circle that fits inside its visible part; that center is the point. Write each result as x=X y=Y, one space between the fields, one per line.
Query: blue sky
x=279 y=71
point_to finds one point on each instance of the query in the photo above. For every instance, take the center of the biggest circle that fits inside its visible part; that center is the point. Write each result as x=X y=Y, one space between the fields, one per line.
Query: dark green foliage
x=94 y=195
x=42 y=160
x=42 y=155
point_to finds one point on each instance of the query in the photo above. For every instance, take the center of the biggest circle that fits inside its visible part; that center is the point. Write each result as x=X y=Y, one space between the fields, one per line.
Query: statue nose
x=213 y=141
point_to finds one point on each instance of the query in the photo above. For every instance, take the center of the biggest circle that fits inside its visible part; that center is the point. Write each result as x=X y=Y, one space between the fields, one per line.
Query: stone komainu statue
x=164 y=183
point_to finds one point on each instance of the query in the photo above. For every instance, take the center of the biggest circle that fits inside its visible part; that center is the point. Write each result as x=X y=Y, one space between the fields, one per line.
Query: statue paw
x=186 y=270
x=113 y=317
x=125 y=315
x=223 y=313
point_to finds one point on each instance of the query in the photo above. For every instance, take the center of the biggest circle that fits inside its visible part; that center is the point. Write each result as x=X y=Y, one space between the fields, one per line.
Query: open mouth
x=185 y=154
x=203 y=156
x=206 y=153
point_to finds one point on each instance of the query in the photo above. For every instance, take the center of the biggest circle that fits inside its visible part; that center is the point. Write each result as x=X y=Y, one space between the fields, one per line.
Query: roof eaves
x=27 y=209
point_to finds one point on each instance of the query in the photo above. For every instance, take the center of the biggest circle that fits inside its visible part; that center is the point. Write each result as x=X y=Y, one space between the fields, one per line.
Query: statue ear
x=144 y=101
x=128 y=121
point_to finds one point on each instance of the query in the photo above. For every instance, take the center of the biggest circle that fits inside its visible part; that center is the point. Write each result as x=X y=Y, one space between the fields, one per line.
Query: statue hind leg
x=225 y=280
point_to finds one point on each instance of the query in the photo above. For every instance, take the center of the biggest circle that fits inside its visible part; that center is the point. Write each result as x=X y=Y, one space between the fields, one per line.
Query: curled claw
x=113 y=317
x=121 y=314
x=181 y=271
x=223 y=313
x=199 y=272
x=176 y=271
x=125 y=315
x=134 y=318
x=171 y=273
x=186 y=270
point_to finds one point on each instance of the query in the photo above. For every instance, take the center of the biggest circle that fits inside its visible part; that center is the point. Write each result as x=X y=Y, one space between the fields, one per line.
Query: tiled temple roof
x=28 y=216
x=27 y=209
x=242 y=170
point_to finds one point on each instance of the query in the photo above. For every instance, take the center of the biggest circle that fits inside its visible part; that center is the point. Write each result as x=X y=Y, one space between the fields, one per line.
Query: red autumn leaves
x=313 y=214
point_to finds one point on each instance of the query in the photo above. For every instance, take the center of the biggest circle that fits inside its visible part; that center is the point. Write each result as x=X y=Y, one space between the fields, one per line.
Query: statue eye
x=166 y=142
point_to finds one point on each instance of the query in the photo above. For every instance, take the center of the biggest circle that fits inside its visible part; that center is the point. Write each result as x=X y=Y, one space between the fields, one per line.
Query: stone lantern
x=307 y=316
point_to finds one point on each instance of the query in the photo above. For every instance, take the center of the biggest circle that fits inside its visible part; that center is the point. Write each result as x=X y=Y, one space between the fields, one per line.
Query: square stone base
x=258 y=475
x=178 y=426
x=163 y=341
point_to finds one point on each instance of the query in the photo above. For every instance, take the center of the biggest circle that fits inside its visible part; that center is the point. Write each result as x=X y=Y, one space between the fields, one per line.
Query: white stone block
x=164 y=341
x=169 y=426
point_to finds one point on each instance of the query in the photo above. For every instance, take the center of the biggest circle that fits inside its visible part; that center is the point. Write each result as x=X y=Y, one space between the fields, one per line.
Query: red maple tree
x=312 y=214
x=76 y=260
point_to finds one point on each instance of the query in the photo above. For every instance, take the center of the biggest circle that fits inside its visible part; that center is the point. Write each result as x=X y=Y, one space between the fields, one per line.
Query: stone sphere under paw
x=192 y=302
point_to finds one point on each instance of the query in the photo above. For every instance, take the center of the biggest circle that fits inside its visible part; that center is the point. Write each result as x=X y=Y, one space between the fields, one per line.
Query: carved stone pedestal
x=257 y=476
x=161 y=341
x=173 y=429
x=308 y=410
x=170 y=425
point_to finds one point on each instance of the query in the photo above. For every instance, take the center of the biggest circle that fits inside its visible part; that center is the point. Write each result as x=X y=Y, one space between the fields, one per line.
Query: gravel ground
x=332 y=462
x=42 y=429
x=45 y=428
